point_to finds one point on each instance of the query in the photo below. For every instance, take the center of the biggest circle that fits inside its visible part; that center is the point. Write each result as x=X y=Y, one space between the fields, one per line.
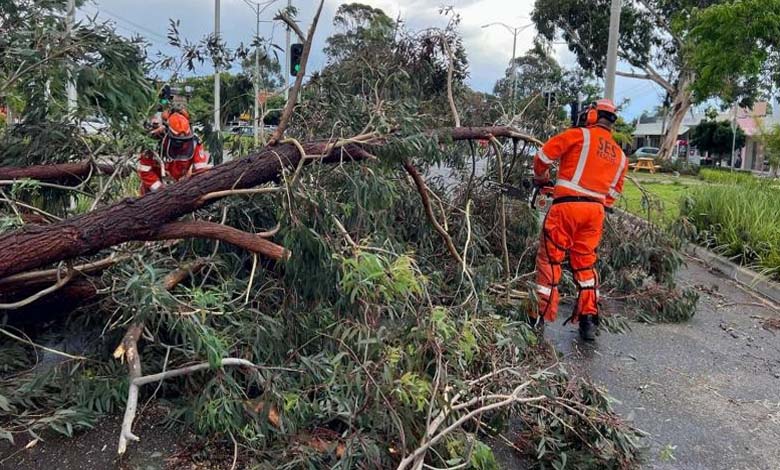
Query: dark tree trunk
x=140 y=218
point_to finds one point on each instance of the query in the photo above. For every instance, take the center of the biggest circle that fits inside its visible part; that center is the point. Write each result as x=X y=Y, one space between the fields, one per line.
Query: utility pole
x=612 y=49
x=70 y=19
x=217 y=104
x=514 y=31
x=287 y=60
x=733 y=136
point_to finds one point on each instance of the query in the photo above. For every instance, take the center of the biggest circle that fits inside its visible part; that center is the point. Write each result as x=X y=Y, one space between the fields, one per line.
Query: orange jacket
x=592 y=164
x=151 y=172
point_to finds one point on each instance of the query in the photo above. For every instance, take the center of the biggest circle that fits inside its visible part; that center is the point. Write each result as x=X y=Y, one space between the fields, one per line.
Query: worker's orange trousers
x=573 y=227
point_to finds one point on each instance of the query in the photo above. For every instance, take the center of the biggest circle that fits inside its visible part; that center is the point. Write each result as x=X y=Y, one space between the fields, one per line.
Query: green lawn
x=666 y=191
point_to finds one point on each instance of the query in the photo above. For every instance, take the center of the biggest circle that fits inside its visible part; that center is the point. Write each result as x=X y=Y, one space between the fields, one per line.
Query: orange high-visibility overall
x=151 y=171
x=591 y=171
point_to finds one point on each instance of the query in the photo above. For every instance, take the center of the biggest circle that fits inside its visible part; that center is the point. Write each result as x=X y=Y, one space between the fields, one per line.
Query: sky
x=489 y=49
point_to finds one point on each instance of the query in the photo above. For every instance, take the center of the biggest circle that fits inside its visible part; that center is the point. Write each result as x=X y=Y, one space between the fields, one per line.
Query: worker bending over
x=180 y=152
x=591 y=171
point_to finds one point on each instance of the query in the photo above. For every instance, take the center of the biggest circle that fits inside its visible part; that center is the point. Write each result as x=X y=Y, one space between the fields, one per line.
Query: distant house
x=650 y=134
x=751 y=121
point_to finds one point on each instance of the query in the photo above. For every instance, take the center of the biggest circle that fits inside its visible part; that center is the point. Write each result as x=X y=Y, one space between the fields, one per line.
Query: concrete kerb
x=745 y=277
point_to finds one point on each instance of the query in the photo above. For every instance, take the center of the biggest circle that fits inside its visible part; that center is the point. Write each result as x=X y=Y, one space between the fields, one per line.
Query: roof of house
x=656 y=129
x=749 y=121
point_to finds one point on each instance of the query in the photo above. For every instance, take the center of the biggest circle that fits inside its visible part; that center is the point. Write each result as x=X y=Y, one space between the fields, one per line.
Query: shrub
x=737 y=220
x=718 y=176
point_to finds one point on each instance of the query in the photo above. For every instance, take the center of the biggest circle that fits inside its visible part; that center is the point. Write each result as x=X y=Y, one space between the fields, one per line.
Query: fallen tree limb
x=139 y=380
x=214 y=231
x=50 y=275
x=40 y=294
x=422 y=188
x=128 y=349
x=293 y=94
x=34 y=247
x=59 y=172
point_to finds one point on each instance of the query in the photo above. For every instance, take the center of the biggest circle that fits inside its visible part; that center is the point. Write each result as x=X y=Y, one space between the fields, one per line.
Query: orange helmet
x=606 y=105
x=179 y=124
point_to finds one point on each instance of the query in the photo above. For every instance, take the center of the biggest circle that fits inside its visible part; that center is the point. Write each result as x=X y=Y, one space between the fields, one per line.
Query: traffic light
x=296 y=53
x=166 y=95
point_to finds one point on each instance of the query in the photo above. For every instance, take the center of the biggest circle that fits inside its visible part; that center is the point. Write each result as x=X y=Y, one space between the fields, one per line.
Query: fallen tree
x=60 y=172
x=141 y=218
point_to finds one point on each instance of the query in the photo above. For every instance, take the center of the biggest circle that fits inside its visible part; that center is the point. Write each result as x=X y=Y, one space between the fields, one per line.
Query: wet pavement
x=707 y=391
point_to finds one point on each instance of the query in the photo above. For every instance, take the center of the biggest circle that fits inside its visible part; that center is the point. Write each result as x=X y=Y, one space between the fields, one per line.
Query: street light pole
x=71 y=89
x=514 y=70
x=217 y=120
x=612 y=49
x=258 y=11
x=515 y=31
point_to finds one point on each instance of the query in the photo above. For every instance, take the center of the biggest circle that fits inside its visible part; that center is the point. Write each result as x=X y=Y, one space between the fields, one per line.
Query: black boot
x=589 y=324
x=537 y=324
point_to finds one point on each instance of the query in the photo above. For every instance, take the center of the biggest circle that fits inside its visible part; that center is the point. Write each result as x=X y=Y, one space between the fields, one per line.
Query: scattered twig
x=28 y=300
x=38 y=346
x=502 y=208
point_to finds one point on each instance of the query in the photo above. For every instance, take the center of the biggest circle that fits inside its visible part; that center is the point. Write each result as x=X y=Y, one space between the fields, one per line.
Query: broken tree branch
x=422 y=188
x=293 y=96
x=450 y=67
x=128 y=349
x=285 y=18
x=225 y=233
x=28 y=300
x=60 y=172
x=37 y=246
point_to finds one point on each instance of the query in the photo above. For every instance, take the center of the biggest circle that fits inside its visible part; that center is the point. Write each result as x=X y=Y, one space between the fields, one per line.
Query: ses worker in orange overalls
x=180 y=151
x=592 y=167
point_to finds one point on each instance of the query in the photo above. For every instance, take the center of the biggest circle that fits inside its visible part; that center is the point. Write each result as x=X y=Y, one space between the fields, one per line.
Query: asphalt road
x=707 y=390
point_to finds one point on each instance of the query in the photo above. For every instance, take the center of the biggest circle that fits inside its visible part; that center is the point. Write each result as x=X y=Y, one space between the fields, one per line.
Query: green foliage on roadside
x=736 y=220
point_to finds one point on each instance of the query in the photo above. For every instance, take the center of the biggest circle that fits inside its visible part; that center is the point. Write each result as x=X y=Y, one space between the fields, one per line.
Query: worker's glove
x=541 y=181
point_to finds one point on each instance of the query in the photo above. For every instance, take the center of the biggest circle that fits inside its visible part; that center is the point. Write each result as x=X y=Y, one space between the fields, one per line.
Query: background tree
x=543 y=91
x=735 y=50
x=717 y=138
x=770 y=138
x=38 y=53
x=653 y=38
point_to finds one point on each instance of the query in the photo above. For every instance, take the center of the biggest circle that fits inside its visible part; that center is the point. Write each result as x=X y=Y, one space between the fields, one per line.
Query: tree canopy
x=717 y=137
x=735 y=50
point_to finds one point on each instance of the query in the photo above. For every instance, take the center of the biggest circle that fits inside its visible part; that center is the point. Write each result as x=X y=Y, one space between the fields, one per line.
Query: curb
x=745 y=277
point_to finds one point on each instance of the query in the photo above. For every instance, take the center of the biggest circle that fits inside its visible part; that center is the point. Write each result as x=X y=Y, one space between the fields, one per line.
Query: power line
x=131 y=23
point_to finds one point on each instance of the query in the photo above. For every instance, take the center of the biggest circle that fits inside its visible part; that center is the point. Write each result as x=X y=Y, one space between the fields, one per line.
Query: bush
x=721 y=176
x=737 y=220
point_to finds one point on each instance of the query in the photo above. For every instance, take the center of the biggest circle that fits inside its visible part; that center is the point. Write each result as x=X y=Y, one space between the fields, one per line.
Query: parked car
x=646 y=152
x=242 y=130
x=93 y=125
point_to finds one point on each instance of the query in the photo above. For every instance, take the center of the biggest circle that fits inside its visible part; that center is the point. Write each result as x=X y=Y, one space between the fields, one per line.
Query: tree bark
x=60 y=172
x=680 y=106
x=140 y=218
x=215 y=231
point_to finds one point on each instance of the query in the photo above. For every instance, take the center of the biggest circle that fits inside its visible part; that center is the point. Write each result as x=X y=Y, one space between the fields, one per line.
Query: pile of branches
x=316 y=303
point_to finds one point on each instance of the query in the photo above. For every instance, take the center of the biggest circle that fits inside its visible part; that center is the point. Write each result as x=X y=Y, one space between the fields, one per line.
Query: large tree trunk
x=680 y=106
x=140 y=218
